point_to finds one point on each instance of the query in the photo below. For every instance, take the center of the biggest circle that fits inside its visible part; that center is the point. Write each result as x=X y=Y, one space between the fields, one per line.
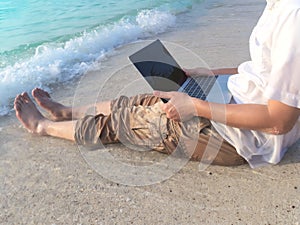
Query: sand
x=50 y=181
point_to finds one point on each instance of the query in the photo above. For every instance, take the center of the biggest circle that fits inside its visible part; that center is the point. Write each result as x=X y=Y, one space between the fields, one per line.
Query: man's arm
x=202 y=71
x=223 y=71
x=274 y=118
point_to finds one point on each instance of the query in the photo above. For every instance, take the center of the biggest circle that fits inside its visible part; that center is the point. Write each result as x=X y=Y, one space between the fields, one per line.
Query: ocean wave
x=60 y=62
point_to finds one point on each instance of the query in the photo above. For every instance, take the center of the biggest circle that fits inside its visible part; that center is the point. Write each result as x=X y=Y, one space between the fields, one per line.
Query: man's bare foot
x=29 y=115
x=57 y=111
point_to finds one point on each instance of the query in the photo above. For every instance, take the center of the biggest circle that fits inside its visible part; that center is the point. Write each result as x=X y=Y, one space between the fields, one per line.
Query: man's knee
x=94 y=130
x=141 y=99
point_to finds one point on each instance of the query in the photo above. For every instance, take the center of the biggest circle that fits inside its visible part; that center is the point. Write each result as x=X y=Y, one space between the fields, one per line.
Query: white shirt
x=272 y=73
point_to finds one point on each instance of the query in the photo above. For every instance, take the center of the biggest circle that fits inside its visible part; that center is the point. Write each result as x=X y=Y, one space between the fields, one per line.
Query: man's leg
x=143 y=126
x=128 y=123
x=35 y=122
x=101 y=126
x=132 y=121
x=59 y=112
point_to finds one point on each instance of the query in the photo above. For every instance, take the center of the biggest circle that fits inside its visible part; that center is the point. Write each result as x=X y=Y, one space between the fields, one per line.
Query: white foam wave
x=53 y=63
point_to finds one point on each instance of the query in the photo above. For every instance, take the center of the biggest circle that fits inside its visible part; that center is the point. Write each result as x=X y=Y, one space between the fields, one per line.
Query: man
x=258 y=127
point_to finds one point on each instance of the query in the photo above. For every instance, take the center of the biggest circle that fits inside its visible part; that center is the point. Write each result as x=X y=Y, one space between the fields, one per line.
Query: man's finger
x=163 y=94
x=187 y=71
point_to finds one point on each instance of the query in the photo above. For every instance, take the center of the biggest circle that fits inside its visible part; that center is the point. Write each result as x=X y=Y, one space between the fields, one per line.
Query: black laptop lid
x=158 y=67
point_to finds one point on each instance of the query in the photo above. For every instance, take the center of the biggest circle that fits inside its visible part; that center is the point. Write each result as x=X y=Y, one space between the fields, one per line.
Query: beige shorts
x=139 y=121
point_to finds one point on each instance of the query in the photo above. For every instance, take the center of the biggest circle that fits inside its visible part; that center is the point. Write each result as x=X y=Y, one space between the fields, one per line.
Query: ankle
x=67 y=113
x=42 y=126
x=62 y=113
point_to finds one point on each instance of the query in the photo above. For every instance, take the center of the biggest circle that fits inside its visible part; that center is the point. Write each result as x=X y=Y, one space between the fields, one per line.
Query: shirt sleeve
x=285 y=59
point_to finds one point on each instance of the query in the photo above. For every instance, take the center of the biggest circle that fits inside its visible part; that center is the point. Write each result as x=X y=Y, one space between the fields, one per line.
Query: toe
x=17 y=106
x=39 y=93
x=45 y=93
x=34 y=91
x=18 y=99
x=26 y=96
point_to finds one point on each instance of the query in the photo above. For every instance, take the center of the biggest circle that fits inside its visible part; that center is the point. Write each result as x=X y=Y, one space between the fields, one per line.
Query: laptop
x=163 y=73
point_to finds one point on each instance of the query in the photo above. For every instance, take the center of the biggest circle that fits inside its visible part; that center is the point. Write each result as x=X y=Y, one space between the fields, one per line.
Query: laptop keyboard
x=199 y=87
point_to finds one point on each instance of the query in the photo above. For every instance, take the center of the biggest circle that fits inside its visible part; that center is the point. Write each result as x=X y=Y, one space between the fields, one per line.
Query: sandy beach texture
x=50 y=181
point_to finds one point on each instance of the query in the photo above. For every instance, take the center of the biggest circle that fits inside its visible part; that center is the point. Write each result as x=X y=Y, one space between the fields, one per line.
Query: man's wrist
x=197 y=103
x=215 y=72
x=222 y=71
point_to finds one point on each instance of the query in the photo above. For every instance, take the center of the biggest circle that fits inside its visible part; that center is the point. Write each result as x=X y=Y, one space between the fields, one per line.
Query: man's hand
x=199 y=71
x=180 y=106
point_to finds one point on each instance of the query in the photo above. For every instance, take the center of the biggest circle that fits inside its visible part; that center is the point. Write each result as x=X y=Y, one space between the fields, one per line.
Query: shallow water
x=49 y=42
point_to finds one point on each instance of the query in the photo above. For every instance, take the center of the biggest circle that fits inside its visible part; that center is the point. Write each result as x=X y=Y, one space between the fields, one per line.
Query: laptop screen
x=158 y=67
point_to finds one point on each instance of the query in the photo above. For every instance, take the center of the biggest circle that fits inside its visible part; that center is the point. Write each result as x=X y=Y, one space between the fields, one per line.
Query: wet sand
x=50 y=181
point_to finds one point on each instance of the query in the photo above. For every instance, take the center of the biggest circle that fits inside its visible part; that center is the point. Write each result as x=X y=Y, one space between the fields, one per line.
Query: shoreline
x=47 y=180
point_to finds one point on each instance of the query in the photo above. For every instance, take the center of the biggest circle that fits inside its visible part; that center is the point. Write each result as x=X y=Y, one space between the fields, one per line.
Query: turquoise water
x=51 y=41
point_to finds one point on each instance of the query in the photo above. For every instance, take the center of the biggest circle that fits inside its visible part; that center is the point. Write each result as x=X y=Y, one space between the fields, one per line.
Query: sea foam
x=60 y=62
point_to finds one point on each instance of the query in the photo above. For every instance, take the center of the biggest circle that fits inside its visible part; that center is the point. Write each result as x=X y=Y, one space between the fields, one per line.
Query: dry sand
x=48 y=181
